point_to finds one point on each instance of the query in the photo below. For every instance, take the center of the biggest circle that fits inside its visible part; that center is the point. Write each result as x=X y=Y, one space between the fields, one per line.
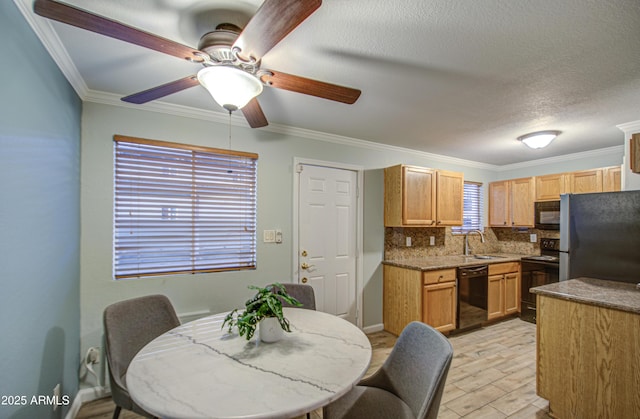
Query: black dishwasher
x=472 y=296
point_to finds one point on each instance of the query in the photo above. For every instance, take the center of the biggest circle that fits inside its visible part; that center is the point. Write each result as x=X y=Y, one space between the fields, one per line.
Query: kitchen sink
x=487 y=257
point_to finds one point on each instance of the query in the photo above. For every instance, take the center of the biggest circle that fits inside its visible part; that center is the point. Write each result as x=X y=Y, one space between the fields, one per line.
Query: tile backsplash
x=497 y=240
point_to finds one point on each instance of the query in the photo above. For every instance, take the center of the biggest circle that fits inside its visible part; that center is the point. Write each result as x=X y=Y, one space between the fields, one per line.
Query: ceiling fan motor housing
x=218 y=44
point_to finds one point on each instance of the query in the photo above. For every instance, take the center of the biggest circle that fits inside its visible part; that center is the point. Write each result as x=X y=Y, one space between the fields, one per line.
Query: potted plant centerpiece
x=265 y=308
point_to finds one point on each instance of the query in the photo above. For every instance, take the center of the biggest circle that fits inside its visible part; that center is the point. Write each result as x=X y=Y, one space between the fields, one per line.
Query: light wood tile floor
x=492 y=375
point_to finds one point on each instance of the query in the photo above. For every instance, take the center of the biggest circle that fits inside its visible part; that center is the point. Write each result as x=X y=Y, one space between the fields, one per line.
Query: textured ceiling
x=458 y=78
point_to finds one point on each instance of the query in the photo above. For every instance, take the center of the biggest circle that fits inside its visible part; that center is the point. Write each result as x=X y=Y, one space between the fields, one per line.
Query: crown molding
x=601 y=152
x=195 y=113
x=51 y=42
x=633 y=126
x=164 y=108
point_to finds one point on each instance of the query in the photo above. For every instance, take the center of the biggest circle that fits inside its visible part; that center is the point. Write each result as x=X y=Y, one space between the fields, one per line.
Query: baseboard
x=85 y=395
x=373 y=328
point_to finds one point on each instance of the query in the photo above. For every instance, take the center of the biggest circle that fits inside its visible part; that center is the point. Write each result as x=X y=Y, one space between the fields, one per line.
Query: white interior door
x=327 y=237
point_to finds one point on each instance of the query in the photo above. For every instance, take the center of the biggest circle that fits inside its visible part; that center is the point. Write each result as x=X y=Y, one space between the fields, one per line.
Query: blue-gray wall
x=39 y=222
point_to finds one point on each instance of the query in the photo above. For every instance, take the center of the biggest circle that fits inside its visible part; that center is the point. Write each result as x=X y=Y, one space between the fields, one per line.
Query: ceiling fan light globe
x=539 y=139
x=229 y=86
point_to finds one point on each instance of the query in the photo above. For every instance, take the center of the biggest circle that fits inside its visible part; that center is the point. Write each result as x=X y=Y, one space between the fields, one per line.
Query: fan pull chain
x=229 y=143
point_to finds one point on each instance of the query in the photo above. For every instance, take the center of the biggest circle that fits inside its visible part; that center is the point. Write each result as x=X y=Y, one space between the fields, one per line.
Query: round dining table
x=199 y=370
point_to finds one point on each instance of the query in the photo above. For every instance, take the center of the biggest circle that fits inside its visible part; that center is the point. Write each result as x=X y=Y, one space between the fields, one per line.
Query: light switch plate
x=407 y=241
x=269 y=236
x=533 y=238
x=432 y=240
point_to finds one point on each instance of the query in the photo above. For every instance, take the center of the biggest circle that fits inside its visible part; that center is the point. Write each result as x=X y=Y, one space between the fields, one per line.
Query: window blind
x=472 y=213
x=182 y=209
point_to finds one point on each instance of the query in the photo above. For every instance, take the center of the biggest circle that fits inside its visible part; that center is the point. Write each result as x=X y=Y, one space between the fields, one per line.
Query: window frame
x=477 y=211
x=152 y=177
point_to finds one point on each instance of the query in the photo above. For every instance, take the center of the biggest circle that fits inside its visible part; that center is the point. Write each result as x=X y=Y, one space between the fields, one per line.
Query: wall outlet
x=56 y=396
x=432 y=240
x=278 y=236
x=407 y=241
x=533 y=238
x=93 y=355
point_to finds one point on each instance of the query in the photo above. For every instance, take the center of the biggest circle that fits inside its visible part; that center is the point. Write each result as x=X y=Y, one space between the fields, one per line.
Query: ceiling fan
x=230 y=56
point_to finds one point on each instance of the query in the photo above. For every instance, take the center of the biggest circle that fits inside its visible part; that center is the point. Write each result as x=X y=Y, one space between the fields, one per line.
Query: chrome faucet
x=466 y=240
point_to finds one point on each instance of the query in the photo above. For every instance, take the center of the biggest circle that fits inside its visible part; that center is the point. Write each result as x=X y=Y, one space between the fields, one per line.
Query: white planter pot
x=270 y=330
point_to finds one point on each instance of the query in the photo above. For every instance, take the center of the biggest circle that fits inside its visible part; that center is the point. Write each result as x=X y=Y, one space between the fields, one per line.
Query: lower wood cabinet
x=432 y=296
x=439 y=302
x=412 y=295
x=588 y=359
x=503 y=291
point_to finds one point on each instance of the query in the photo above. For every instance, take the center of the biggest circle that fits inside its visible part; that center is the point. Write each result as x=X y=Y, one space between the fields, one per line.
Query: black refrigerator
x=600 y=236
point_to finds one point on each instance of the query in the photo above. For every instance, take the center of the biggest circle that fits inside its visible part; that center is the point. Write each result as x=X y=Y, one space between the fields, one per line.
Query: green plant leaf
x=265 y=303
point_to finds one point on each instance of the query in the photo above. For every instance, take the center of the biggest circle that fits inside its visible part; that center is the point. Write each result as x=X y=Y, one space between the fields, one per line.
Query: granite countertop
x=431 y=263
x=609 y=294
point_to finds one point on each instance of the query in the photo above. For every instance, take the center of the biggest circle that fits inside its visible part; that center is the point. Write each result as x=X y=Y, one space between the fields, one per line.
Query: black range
x=536 y=271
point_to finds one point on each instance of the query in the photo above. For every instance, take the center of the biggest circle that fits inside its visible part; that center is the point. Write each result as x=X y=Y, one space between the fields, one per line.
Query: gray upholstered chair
x=301 y=292
x=128 y=326
x=408 y=385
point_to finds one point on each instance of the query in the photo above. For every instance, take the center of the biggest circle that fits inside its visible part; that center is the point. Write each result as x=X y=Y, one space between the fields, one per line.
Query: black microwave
x=547 y=215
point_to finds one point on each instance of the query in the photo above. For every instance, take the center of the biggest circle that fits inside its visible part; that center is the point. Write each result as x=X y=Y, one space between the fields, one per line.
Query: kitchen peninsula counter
x=588 y=348
x=431 y=263
x=609 y=294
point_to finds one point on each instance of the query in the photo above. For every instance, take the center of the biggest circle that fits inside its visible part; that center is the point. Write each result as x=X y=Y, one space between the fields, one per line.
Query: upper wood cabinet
x=511 y=203
x=611 y=179
x=550 y=187
x=499 y=198
x=418 y=196
x=522 y=197
x=585 y=181
x=450 y=198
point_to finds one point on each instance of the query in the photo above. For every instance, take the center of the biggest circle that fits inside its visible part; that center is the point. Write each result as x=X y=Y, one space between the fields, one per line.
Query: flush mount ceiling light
x=230 y=86
x=538 y=139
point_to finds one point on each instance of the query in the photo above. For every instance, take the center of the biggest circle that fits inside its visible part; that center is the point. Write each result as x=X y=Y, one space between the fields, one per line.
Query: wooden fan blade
x=85 y=20
x=271 y=23
x=161 y=91
x=253 y=112
x=311 y=87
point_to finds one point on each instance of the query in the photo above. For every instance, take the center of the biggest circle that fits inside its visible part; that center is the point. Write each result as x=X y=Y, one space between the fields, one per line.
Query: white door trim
x=359 y=223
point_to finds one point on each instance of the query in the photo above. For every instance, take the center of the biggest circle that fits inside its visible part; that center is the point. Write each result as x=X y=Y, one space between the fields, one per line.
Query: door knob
x=304 y=265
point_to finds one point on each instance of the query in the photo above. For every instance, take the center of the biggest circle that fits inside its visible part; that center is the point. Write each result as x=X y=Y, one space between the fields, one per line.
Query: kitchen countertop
x=443 y=262
x=609 y=294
